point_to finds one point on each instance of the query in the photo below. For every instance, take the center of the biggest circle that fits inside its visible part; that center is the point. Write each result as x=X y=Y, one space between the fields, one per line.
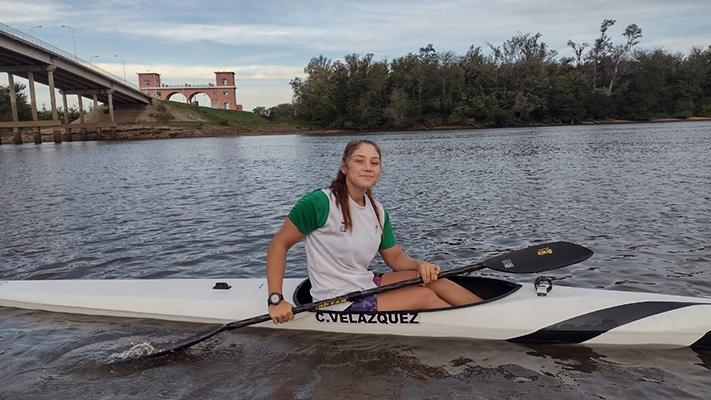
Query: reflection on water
x=638 y=195
x=266 y=364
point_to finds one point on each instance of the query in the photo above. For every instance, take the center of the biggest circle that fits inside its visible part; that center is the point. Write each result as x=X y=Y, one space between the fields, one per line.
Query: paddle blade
x=204 y=335
x=184 y=344
x=543 y=257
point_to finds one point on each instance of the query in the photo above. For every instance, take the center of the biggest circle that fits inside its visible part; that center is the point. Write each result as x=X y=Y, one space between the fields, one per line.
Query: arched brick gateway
x=222 y=94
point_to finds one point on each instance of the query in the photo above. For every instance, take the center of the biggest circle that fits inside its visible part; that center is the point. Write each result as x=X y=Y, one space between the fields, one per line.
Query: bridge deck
x=21 y=53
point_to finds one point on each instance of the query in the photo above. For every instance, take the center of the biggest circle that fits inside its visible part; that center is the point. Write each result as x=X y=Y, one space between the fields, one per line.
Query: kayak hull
x=511 y=311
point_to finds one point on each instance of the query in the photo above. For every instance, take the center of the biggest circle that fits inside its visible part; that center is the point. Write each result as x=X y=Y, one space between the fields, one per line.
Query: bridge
x=222 y=93
x=40 y=62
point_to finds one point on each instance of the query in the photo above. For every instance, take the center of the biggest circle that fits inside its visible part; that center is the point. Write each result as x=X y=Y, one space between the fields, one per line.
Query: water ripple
x=638 y=195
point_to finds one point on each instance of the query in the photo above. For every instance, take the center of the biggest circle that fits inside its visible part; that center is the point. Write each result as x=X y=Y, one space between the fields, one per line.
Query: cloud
x=389 y=29
x=268 y=72
x=251 y=97
x=201 y=74
x=233 y=35
x=28 y=14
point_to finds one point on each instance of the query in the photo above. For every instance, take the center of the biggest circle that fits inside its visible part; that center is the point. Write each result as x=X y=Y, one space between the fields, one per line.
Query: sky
x=267 y=43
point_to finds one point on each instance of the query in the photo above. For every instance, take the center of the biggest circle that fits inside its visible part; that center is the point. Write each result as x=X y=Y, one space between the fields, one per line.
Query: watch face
x=275 y=298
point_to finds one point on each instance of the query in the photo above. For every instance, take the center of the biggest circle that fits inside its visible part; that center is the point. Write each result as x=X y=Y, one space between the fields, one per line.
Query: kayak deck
x=511 y=311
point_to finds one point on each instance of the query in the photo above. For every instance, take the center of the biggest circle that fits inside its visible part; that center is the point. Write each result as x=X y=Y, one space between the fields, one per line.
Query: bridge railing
x=187 y=85
x=57 y=51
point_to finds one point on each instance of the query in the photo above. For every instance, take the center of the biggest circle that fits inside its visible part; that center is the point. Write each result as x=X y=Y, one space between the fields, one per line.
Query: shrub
x=162 y=114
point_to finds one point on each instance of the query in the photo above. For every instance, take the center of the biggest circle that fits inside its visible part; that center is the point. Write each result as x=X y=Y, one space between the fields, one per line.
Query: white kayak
x=511 y=311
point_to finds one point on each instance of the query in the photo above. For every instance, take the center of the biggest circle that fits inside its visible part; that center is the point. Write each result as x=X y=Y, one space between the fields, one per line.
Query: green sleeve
x=388 y=239
x=311 y=212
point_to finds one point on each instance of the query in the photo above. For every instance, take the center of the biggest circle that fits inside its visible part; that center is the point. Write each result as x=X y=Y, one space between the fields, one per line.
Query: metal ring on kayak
x=543 y=285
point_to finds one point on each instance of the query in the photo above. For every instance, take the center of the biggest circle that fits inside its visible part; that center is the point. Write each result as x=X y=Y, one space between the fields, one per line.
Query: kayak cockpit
x=489 y=289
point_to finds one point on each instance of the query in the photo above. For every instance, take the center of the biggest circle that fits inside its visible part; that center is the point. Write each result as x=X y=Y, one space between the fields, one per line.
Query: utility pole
x=124 y=66
x=73 y=39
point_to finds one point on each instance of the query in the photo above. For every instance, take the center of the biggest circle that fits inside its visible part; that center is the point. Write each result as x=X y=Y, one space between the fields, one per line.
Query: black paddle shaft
x=538 y=258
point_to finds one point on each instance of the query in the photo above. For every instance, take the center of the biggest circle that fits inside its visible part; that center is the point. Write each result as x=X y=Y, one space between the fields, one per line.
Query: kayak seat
x=488 y=289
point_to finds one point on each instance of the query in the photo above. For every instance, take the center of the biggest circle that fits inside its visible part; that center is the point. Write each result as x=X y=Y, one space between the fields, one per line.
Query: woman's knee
x=429 y=299
x=410 y=298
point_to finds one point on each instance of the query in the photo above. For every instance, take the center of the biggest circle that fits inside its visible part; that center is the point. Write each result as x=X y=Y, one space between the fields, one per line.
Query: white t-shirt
x=337 y=259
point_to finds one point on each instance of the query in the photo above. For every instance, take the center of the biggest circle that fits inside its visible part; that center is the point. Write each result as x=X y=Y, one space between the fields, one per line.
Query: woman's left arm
x=396 y=259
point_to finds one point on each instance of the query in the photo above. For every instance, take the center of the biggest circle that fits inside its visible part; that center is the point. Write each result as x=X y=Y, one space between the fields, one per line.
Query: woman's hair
x=338 y=185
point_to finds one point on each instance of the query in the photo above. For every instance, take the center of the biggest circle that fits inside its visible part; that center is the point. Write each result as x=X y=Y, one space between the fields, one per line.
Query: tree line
x=522 y=81
x=24 y=109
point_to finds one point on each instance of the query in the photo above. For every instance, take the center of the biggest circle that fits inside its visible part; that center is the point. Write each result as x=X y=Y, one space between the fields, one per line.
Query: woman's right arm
x=287 y=236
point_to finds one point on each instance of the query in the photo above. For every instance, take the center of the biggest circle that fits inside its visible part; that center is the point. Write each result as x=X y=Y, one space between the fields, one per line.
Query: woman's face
x=362 y=168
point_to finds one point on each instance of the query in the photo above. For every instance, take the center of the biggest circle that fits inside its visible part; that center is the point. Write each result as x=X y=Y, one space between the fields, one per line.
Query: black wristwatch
x=275 y=298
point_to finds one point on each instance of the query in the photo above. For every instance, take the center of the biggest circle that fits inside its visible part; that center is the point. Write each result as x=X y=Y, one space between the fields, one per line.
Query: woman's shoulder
x=311 y=211
x=317 y=197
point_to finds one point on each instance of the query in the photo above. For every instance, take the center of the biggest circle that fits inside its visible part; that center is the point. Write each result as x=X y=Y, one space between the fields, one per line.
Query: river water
x=638 y=195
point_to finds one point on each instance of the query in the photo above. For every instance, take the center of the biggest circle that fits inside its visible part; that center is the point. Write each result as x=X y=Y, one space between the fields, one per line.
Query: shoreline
x=142 y=132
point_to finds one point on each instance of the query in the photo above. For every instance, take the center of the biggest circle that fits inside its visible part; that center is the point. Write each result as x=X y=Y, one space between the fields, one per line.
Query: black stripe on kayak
x=590 y=325
x=704 y=342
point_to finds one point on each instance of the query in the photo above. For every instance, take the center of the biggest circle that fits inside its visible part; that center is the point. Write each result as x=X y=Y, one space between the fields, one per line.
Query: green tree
x=261 y=111
x=651 y=89
x=24 y=110
x=568 y=97
x=524 y=65
x=695 y=84
x=399 y=109
x=600 y=50
x=520 y=81
x=361 y=85
x=284 y=111
x=427 y=80
x=314 y=95
x=620 y=53
x=480 y=82
x=403 y=76
x=579 y=50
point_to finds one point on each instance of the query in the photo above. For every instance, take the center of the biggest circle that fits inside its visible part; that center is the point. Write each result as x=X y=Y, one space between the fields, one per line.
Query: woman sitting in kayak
x=344 y=227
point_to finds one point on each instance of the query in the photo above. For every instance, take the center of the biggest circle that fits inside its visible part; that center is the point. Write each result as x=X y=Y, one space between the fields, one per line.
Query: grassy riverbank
x=179 y=116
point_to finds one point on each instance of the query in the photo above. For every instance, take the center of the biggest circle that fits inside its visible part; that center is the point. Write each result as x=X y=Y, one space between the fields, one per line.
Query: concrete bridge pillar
x=13 y=105
x=113 y=117
x=53 y=102
x=82 y=130
x=96 y=112
x=67 y=130
x=33 y=102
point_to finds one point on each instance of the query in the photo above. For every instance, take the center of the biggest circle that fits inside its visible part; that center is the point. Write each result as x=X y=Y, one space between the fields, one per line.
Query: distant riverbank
x=195 y=122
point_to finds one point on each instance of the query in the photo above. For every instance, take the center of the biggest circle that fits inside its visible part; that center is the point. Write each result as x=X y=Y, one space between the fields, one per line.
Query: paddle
x=539 y=258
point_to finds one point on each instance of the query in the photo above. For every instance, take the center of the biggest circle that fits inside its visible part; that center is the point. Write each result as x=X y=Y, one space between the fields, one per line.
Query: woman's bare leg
x=410 y=298
x=447 y=292
x=453 y=293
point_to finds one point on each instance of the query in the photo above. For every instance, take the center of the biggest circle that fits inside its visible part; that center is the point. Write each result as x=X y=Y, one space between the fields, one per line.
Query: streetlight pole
x=91 y=58
x=124 y=66
x=73 y=39
x=34 y=27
